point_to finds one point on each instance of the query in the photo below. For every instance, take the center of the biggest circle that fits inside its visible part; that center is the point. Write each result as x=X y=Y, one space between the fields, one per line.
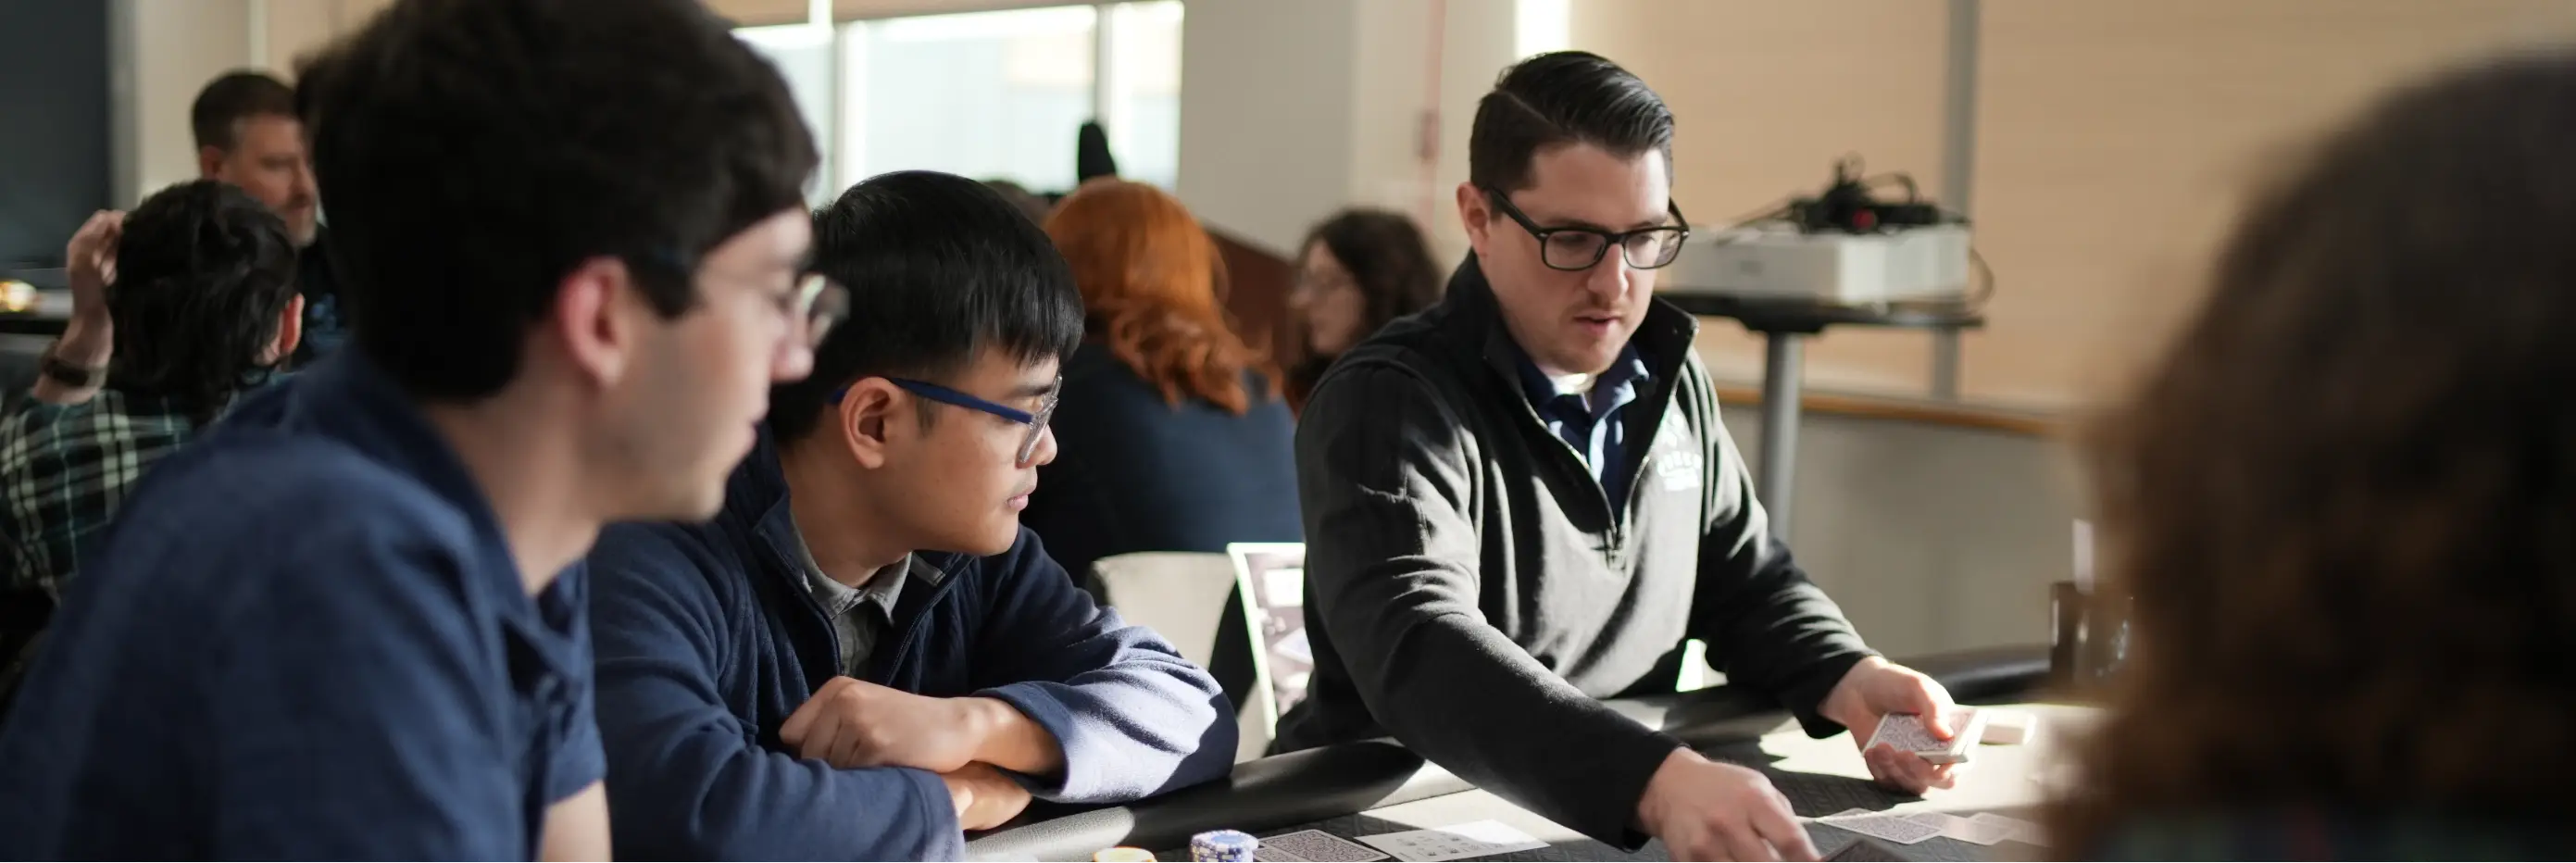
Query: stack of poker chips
x=1223 y=846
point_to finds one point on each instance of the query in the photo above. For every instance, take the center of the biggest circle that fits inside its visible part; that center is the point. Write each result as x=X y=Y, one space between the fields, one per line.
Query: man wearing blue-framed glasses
x=865 y=653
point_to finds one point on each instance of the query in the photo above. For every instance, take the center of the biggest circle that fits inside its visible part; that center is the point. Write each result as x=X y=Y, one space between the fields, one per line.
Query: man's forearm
x=1011 y=740
x=1462 y=695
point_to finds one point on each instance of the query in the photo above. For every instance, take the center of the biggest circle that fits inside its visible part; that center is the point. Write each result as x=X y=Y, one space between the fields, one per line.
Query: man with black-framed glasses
x=1522 y=501
x=866 y=654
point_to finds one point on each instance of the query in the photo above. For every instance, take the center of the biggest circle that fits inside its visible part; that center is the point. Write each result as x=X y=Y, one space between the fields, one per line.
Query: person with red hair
x=1172 y=430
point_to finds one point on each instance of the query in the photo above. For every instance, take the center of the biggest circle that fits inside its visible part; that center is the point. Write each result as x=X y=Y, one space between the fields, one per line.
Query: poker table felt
x=1371 y=787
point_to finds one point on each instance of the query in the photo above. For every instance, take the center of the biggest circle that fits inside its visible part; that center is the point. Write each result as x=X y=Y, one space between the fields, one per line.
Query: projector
x=1926 y=262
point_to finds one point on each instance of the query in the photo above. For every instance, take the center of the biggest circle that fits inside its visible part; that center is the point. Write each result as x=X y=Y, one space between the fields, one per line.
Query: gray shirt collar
x=883 y=590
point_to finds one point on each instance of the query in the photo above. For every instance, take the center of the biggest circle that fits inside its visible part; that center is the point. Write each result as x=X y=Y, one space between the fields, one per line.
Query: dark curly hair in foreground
x=2344 y=502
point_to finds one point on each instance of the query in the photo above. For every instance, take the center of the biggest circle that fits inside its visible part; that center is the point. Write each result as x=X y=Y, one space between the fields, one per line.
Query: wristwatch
x=68 y=374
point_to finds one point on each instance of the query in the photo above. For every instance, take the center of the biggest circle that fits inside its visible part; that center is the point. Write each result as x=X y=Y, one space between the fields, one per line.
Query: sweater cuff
x=938 y=815
x=1626 y=767
x=1807 y=697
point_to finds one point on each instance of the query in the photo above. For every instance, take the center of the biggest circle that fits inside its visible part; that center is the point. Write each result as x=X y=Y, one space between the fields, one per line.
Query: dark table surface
x=1820 y=778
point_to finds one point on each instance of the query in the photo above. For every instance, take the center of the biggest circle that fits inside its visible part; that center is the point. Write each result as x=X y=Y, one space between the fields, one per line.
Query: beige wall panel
x=1766 y=95
x=2116 y=139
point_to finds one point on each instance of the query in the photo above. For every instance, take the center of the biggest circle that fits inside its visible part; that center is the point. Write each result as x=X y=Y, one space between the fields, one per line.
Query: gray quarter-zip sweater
x=1470 y=591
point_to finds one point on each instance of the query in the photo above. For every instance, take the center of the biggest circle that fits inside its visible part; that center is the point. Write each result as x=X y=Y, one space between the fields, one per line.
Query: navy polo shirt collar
x=1591 y=420
x=1614 y=388
x=349 y=398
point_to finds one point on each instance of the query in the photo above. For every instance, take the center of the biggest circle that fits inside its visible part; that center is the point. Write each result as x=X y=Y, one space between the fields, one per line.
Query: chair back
x=1179 y=595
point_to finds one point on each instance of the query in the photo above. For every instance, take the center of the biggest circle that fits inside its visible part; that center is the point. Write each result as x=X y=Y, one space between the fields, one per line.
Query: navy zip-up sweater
x=707 y=640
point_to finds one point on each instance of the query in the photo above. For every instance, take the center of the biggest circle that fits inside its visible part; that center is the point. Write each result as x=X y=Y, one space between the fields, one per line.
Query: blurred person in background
x=248 y=135
x=2343 y=504
x=1356 y=271
x=206 y=308
x=1175 y=437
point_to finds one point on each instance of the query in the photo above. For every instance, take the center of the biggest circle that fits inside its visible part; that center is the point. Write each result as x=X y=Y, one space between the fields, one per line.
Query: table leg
x=1776 y=474
x=1945 y=364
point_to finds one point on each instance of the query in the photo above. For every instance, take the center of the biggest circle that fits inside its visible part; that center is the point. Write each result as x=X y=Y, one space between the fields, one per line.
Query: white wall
x=1481 y=41
x=176 y=47
x=1265 y=104
x=1290 y=111
x=294 y=28
x=1931 y=537
x=1397 y=48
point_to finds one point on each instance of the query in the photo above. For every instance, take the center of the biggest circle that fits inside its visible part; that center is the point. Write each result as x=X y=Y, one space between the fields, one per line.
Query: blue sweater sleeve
x=351 y=712
x=1133 y=717
x=686 y=777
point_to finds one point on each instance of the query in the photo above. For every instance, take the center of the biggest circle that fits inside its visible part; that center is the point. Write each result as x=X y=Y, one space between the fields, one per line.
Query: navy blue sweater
x=707 y=640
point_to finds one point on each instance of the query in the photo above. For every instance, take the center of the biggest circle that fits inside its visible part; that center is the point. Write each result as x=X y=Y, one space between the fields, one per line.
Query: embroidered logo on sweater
x=1679 y=464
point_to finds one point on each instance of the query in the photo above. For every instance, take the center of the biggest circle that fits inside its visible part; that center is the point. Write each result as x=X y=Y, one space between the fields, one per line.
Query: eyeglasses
x=818 y=303
x=1573 y=249
x=1037 y=422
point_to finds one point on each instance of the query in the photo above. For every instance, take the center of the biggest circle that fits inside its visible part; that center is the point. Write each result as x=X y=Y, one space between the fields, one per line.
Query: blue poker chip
x=1223 y=846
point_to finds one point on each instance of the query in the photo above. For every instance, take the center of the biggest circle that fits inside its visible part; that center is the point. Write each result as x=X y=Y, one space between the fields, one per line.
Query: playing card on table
x=1964 y=829
x=1893 y=828
x=1455 y=842
x=1313 y=846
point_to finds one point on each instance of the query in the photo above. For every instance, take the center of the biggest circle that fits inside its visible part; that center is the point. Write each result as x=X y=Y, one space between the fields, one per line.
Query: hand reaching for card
x=1875 y=689
x=1706 y=810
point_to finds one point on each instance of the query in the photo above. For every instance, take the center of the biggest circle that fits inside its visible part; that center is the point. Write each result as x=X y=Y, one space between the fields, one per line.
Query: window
x=989 y=95
x=803 y=54
x=1143 y=115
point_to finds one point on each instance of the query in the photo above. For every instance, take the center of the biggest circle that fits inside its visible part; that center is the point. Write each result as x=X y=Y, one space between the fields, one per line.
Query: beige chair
x=1181 y=596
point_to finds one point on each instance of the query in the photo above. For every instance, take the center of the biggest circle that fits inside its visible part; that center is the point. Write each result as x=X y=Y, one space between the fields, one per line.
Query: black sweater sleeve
x=1767 y=626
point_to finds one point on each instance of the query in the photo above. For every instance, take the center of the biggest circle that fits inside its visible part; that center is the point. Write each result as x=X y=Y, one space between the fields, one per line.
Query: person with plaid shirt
x=194 y=294
x=64 y=469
